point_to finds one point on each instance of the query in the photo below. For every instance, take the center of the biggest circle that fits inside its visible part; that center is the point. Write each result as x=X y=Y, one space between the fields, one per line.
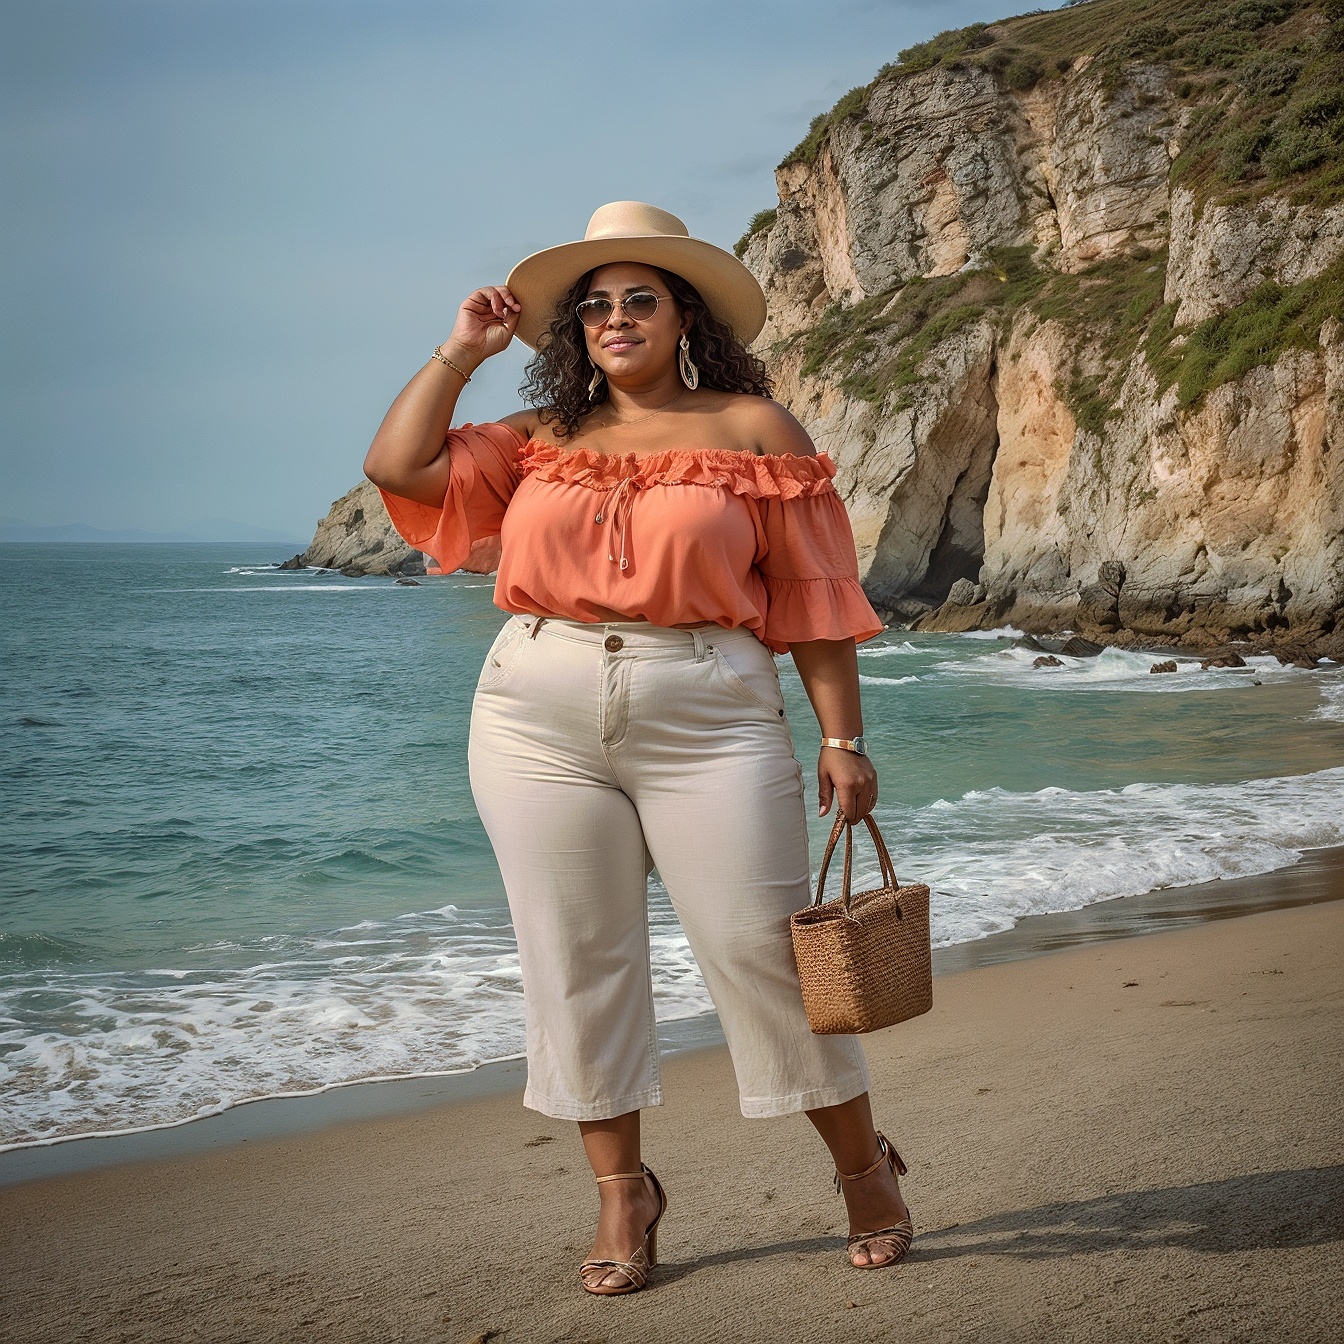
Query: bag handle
x=883 y=858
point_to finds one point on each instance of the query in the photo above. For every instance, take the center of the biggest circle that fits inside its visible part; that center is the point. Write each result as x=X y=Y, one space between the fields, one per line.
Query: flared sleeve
x=483 y=462
x=811 y=570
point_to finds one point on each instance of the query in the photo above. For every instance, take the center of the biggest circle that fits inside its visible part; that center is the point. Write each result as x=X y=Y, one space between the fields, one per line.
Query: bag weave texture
x=865 y=961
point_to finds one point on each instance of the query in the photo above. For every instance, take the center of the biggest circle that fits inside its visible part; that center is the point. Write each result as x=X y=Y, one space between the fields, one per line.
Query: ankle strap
x=625 y=1176
x=885 y=1153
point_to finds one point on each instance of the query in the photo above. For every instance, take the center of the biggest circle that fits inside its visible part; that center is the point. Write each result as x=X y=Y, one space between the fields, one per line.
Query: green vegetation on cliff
x=879 y=344
x=1274 y=318
x=760 y=222
x=878 y=347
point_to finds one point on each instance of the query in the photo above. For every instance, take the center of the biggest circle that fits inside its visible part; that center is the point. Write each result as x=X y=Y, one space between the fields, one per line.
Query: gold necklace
x=650 y=415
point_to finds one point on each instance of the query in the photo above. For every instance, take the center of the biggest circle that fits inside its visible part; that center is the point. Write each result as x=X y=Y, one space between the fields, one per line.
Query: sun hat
x=633 y=231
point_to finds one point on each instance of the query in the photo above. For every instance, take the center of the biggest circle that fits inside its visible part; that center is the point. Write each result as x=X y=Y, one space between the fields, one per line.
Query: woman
x=666 y=528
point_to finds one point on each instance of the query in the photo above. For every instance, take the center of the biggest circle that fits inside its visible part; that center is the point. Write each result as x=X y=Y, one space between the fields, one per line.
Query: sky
x=230 y=231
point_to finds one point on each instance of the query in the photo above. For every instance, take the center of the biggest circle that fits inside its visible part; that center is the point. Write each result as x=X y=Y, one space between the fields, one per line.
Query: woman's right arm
x=408 y=455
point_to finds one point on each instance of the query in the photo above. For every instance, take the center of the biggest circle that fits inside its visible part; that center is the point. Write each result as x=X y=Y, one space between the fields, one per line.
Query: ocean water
x=239 y=855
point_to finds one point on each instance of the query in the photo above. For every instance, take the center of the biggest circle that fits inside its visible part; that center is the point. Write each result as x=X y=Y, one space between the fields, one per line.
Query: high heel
x=897 y=1237
x=645 y=1257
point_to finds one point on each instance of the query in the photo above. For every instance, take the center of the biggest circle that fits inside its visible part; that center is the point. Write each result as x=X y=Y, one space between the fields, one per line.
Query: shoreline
x=1303 y=645
x=1317 y=877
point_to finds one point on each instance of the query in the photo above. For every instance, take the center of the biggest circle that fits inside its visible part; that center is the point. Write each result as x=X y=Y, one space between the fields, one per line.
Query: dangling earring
x=596 y=383
x=690 y=375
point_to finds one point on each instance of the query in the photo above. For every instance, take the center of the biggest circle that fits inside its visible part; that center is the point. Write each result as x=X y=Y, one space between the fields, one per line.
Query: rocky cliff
x=1062 y=297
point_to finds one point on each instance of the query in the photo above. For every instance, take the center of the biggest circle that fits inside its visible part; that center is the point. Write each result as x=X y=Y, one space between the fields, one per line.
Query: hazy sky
x=231 y=231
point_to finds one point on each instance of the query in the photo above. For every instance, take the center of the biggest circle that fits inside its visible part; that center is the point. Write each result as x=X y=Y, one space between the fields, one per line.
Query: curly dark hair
x=558 y=375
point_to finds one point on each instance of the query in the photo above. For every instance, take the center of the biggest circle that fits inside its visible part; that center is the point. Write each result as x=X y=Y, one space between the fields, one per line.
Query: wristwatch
x=855 y=744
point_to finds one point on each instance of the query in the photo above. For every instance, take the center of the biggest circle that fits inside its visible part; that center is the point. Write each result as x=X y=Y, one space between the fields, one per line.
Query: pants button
x=613 y=643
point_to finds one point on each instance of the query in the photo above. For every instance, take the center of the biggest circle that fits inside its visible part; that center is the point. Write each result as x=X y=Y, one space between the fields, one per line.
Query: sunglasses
x=638 y=307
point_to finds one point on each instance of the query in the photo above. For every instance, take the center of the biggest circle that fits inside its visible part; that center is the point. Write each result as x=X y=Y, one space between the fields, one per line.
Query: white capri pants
x=597 y=752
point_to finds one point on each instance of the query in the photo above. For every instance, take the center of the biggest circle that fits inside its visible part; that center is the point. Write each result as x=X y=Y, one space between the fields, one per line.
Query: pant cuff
x=559 y=1109
x=766 y=1108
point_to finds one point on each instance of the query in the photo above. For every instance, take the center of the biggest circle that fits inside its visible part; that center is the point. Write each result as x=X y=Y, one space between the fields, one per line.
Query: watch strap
x=854 y=744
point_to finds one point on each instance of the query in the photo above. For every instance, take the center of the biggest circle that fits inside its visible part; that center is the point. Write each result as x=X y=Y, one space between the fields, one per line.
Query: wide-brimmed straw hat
x=633 y=231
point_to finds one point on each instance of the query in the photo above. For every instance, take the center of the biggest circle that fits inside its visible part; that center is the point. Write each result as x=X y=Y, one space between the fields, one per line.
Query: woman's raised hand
x=485 y=323
x=408 y=455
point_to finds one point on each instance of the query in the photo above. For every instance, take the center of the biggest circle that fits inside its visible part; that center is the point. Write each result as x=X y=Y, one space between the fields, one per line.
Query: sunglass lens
x=594 y=312
x=640 y=307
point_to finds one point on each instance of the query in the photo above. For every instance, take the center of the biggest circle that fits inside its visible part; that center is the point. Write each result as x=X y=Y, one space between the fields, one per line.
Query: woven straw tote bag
x=865 y=960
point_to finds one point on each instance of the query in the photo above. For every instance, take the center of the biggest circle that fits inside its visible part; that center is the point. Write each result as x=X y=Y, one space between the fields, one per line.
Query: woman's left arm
x=818 y=545
x=829 y=669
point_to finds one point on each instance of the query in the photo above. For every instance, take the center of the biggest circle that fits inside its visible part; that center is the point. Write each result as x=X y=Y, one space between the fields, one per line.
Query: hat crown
x=633 y=219
x=642 y=234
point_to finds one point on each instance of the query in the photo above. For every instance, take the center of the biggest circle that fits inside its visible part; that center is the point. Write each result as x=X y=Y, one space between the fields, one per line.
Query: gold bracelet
x=443 y=359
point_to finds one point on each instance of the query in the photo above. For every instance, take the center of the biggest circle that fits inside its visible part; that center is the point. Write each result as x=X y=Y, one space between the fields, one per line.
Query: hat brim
x=729 y=289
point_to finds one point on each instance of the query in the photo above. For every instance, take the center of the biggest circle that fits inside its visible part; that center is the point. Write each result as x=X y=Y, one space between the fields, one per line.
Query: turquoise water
x=240 y=857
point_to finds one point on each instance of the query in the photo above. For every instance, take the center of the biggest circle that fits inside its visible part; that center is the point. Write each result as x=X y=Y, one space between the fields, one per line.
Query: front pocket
x=502 y=656
x=754 y=679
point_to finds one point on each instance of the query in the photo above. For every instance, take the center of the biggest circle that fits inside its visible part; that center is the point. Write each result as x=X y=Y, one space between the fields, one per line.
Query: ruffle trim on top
x=764 y=476
x=823 y=608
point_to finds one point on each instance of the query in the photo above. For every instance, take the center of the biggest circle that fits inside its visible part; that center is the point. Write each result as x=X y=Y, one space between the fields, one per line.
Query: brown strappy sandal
x=645 y=1257
x=899 y=1237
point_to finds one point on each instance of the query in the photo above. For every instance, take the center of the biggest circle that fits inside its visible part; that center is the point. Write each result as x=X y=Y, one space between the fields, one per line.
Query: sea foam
x=429 y=993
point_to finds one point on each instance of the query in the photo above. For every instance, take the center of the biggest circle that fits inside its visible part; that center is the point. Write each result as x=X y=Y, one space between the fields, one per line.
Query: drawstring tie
x=615 y=509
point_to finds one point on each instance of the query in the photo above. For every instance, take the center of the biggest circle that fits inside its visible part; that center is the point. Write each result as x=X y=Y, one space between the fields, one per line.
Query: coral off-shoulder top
x=677 y=538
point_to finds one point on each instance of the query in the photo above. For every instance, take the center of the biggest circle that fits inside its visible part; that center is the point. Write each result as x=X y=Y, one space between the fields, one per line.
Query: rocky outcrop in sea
x=357 y=538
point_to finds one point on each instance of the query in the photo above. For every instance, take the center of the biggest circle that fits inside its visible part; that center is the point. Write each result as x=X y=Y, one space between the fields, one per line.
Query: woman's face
x=630 y=350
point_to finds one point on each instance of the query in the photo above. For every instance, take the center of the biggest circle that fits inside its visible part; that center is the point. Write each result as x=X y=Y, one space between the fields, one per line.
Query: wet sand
x=1130 y=1139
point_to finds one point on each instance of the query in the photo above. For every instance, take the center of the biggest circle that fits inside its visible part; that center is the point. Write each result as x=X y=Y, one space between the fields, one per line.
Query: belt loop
x=699 y=641
x=536 y=625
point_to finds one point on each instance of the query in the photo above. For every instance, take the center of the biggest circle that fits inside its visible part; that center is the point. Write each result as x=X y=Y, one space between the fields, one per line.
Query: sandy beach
x=1136 y=1139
